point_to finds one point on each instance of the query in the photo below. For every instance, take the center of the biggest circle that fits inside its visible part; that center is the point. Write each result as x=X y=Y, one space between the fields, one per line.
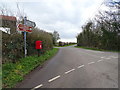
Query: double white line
x=99 y=60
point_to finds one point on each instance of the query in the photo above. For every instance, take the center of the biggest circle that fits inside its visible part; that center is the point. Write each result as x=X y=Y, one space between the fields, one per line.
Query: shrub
x=13 y=44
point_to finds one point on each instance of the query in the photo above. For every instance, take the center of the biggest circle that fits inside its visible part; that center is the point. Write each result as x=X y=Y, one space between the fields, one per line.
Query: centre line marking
x=99 y=60
x=37 y=87
x=81 y=66
x=69 y=71
x=54 y=78
x=91 y=62
x=102 y=57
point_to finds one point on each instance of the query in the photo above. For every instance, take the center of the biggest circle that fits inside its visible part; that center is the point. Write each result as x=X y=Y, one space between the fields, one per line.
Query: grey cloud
x=65 y=16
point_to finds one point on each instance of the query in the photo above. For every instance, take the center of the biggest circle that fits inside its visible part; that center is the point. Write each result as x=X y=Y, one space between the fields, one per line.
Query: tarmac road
x=76 y=68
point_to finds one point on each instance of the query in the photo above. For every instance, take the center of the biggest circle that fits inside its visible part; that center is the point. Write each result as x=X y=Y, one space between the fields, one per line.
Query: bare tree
x=5 y=10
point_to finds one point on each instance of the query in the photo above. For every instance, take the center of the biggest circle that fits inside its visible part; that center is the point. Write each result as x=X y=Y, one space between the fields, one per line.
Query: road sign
x=22 y=27
x=26 y=27
x=30 y=23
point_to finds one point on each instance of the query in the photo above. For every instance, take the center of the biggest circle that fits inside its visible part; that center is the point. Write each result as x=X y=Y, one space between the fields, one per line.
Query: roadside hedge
x=13 y=44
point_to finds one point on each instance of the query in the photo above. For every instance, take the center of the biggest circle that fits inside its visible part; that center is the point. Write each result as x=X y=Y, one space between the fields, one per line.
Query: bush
x=45 y=37
x=13 y=44
x=12 y=47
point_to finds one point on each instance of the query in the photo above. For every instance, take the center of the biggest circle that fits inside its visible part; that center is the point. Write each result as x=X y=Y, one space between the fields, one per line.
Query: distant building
x=8 y=22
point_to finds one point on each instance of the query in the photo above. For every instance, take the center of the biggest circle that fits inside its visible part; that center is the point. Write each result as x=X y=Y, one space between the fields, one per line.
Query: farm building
x=8 y=24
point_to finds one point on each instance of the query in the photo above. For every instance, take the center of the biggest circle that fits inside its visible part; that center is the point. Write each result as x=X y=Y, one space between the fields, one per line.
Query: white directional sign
x=30 y=23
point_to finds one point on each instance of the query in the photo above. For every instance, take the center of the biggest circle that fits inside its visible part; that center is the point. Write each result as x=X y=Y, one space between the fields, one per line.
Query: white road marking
x=102 y=57
x=37 y=87
x=54 y=78
x=69 y=71
x=99 y=60
x=81 y=66
x=91 y=62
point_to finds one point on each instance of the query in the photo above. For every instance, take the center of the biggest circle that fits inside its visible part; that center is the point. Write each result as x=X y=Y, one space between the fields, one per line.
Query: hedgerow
x=13 y=44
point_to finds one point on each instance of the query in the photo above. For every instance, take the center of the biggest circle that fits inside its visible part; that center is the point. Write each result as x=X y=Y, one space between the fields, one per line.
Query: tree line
x=104 y=31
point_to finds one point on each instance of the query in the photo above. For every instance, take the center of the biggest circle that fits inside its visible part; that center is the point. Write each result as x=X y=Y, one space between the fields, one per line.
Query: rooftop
x=11 y=18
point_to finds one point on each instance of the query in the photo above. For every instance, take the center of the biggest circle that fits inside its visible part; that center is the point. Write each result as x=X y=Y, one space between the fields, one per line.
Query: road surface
x=76 y=68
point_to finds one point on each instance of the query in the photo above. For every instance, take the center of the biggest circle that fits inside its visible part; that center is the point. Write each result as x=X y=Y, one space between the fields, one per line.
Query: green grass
x=95 y=49
x=15 y=72
x=0 y=76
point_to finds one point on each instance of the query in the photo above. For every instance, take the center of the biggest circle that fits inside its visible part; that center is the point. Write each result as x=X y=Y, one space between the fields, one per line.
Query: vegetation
x=103 y=32
x=56 y=37
x=15 y=72
x=15 y=67
x=13 y=44
x=37 y=34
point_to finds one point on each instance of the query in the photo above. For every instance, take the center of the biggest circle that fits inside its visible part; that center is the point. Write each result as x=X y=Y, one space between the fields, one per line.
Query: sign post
x=27 y=27
x=25 y=50
x=30 y=23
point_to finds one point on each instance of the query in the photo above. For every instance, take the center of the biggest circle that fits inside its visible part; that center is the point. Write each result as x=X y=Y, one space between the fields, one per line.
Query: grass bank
x=95 y=49
x=15 y=72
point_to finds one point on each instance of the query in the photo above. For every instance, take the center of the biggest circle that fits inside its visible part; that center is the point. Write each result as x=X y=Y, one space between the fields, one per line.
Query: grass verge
x=0 y=77
x=14 y=72
x=95 y=49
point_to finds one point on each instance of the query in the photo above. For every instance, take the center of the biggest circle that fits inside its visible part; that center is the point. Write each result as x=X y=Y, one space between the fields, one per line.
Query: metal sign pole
x=25 y=50
x=28 y=25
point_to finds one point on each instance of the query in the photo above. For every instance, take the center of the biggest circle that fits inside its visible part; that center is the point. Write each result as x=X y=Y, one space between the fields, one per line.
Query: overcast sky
x=64 y=16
